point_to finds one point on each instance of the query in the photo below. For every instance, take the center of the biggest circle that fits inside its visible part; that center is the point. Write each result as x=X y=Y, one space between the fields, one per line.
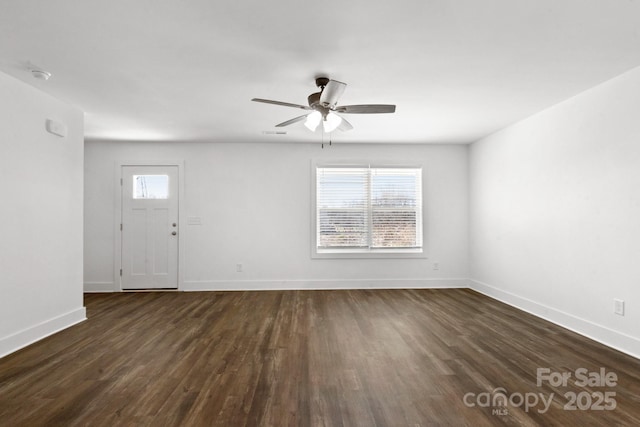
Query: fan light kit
x=324 y=108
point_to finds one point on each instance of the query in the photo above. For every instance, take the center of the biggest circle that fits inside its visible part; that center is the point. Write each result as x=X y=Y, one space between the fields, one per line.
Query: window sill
x=364 y=254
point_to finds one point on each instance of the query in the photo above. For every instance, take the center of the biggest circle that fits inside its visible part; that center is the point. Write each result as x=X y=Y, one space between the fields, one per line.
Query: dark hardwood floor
x=313 y=358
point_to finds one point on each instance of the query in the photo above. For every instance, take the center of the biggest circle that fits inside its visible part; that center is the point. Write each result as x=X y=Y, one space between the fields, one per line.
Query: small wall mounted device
x=56 y=128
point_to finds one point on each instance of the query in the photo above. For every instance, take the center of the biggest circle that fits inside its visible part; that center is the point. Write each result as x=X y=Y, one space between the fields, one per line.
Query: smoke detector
x=40 y=74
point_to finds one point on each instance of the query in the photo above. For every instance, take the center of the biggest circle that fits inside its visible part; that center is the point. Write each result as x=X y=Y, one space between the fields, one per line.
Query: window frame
x=319 y=253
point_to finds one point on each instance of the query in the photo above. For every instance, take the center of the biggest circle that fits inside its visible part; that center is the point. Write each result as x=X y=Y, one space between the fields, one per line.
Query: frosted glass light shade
x=313 y=120
x=331 y=122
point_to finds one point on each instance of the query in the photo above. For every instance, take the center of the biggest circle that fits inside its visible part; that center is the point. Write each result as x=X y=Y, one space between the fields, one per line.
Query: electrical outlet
x=618 y=306
x=436 y=266
x=239 y=268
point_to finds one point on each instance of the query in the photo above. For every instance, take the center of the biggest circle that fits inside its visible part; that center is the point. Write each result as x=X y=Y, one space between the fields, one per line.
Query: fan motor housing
x=314 y=99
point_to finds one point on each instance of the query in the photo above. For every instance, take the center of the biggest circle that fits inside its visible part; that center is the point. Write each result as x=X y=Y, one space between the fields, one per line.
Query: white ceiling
x=186 y=69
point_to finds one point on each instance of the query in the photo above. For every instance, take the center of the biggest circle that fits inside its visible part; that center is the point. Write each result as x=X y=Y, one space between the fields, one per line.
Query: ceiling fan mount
x=323 y=106
x=321 y=82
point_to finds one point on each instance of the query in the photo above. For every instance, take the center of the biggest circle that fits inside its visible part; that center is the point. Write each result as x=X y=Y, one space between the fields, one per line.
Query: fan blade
x=345 y=125
x=366 y=109
x=292 y=121
x=331 y=93
x=284 y=104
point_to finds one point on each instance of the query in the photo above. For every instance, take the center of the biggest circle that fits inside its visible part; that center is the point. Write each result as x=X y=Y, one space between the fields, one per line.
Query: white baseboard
x=91 y=287
x=611 y=338
x=42 y=330
x=263 y=285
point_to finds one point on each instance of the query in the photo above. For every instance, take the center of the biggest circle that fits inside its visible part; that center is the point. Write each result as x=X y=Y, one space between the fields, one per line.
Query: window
x=368 y=210
x=150 y=186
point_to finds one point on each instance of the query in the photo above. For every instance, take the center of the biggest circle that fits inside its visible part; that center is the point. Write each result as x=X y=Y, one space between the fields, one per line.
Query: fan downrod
x=314 y=98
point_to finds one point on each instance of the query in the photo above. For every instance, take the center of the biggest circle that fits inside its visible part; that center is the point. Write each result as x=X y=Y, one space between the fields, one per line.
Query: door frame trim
x=117 y=217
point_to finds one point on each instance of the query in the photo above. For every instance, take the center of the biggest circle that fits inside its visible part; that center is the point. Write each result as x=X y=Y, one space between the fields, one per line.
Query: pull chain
x=330 y=138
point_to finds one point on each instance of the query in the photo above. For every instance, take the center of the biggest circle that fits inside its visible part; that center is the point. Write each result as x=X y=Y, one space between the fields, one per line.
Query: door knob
x=174 y=224
x=173 y=233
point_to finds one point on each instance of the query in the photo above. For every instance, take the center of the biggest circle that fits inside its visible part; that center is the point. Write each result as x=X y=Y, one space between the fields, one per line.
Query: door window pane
x=150 y=186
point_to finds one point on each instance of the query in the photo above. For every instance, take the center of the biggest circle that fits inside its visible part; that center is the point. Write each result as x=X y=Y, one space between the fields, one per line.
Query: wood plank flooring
x=310 y=358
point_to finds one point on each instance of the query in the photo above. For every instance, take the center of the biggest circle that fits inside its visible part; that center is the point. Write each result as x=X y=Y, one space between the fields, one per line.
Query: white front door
x=149 y=227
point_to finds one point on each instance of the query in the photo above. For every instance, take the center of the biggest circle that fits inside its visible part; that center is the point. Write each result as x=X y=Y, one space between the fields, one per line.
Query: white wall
x=555 y=213
x=41 y=215
x=254 y=202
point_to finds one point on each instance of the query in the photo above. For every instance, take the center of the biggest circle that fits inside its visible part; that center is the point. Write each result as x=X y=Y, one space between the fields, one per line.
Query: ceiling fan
x=323 y=107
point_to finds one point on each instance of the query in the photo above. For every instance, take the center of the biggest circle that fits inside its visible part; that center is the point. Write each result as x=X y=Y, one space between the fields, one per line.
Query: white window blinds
x=368 y=208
